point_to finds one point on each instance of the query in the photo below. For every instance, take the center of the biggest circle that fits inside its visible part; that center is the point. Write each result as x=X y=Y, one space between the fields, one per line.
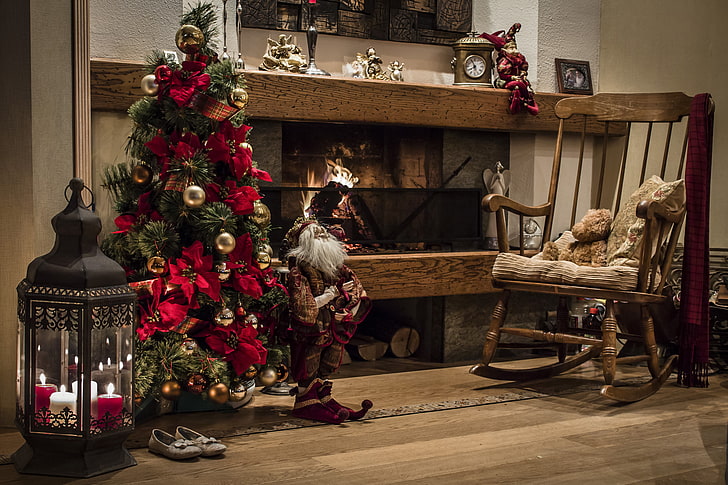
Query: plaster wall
x=646 y=47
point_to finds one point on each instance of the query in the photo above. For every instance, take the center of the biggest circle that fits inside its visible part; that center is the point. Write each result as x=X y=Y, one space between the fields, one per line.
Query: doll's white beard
x=325 y=254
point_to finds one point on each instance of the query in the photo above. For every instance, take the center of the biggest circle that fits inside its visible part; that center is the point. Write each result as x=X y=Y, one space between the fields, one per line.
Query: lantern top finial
x=76 y=260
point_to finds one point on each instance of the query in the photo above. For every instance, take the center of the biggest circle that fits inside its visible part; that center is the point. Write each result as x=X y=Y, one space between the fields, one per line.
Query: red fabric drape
x=694 y=294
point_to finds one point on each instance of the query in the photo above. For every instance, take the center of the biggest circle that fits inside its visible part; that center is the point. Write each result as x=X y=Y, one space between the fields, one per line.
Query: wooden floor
x=677 y=436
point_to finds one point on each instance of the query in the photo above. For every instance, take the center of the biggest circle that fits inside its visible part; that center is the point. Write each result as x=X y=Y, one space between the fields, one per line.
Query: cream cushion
x=625 y=238
x=510 y=266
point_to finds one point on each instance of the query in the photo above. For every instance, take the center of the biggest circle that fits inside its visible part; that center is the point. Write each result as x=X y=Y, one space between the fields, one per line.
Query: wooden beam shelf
x=297 y=97
x=413 y=275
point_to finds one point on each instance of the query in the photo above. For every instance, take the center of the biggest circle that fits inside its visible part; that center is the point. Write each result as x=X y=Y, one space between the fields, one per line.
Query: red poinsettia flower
x=144 y=208
x=225 y=146
x=239 y=199
x=245 y=272
x=193 y=272
x=260 y=174
x=236 y=343
x=183 y=83
x=161 y=148
x=158 y=314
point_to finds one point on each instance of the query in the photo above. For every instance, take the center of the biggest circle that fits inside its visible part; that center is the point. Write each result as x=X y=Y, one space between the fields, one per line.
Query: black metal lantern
x=75 y=353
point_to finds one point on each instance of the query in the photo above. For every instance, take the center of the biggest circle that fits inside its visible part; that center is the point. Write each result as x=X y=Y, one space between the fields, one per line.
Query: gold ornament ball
x=149 y=85
x=260 y=215
x=281 y=372
x=189 y=345
x=263 y=259
x=193 y=196
x=238 y=392
x=223 y=271
x=250 y=373
x=171 y=390
x=225 y=243
x=267 y=249
x=225 y=317
x=247 y=146
x=267 y=376
x=189 y=39
x=141 y=174
x=155 y=265
x=218 y=393
x=239 y=98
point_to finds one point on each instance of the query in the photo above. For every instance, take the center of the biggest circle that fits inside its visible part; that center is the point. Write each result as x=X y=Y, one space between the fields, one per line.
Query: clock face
x=474 y=66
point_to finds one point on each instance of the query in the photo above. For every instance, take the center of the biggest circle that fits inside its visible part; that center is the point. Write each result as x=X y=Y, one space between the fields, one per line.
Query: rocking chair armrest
x=650 y=209
x=495 y=202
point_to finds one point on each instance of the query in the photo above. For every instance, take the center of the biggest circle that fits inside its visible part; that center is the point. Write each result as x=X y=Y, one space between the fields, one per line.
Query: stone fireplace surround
x=447 y=296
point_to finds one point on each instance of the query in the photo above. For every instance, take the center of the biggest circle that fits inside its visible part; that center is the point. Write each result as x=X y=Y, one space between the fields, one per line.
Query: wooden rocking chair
x=639 y=280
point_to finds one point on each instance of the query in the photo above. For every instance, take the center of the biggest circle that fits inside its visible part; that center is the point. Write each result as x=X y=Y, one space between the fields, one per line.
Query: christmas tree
x=192 y=230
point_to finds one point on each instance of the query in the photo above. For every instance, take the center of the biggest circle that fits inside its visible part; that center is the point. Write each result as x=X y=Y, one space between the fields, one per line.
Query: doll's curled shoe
x=309 y=406
x=327 y=400
x=209 y=445
x=163 y=443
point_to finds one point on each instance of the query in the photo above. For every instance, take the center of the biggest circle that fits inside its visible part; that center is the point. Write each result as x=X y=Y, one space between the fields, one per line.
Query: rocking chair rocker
x=654 y=218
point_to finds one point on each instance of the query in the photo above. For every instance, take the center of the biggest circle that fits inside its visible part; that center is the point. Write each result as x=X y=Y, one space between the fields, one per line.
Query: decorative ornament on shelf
x=141 y=174
x=225 y=243
x=224 y=317
x=311 y=38
x=218 y=393
x=149 y=85
x=369 y=66
x=396 y=69
x=240 y=63
x=196 y=384
x=496 y=182
x=156 y=265
x=283 y=55
x=473 y=61
x=513 y=71
x=193 y=196
x=171 y=390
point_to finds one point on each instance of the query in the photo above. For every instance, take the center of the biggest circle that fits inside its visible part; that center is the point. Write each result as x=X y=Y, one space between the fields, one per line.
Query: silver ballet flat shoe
x=165 y=444
x=209 y=445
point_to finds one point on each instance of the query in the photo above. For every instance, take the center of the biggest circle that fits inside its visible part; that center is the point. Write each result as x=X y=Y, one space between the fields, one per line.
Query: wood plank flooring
x=676 y=436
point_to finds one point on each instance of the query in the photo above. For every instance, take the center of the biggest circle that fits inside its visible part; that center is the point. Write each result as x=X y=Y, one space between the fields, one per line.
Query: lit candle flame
x=76 y=359
x=121 y=365
x=63 y=388
x=128 y=358
x=110 y=389
x=42 y=379
x=101 y=366
x=108 y=361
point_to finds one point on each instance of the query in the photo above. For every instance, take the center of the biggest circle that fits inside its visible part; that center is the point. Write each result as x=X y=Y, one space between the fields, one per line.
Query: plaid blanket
x=694 y=310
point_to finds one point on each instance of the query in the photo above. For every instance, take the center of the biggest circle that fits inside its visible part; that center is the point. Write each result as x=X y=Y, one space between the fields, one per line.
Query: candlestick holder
x=311 y=37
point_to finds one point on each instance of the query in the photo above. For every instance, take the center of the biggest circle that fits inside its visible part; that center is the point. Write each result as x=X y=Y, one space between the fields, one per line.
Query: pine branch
x=196 y=169
x=157 y=238
x=173 y=209
x=223 y=79
x=214 y=218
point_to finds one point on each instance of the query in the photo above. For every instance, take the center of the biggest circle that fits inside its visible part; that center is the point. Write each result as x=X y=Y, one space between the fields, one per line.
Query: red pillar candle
x=109 y=403
x=43 y=393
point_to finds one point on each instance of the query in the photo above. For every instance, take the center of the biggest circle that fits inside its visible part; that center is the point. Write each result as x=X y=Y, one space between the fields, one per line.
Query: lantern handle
x=77 y=186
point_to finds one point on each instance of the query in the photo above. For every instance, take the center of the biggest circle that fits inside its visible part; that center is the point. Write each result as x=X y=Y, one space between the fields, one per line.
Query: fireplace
x=390 y=189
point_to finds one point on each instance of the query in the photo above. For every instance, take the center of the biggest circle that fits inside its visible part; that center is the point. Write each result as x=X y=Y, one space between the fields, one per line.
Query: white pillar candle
x=61 y=400
x=94 y=394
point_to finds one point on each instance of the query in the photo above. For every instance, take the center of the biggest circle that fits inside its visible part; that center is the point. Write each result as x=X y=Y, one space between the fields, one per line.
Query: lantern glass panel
x=54 y=403
x=111 y=361
x=20 y=377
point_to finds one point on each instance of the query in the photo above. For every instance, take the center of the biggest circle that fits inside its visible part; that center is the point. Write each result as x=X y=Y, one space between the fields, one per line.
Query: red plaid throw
x=694 y=316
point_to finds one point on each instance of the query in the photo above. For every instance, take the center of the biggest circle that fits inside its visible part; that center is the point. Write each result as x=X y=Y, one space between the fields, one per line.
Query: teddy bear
x=590 y=247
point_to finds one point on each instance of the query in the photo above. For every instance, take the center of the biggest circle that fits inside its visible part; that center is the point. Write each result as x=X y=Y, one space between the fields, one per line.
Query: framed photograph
x=574 y=77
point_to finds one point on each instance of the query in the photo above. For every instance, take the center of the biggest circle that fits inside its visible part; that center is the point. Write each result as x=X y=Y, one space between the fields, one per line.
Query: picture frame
x=574 y=77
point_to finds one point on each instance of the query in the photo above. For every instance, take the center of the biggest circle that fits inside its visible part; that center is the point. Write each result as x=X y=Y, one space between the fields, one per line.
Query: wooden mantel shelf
x=297 y=97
